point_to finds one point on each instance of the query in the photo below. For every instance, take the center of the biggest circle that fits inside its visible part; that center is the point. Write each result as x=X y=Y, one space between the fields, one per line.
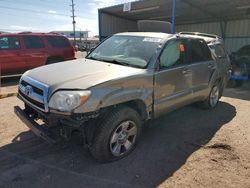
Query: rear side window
x=33 y=42
x=58 y=41
x=198 y=51
x=9 y=43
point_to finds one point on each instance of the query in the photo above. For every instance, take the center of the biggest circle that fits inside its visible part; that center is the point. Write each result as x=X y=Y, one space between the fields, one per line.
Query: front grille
x=34 y=93
x=35 y=89
x=32 y=101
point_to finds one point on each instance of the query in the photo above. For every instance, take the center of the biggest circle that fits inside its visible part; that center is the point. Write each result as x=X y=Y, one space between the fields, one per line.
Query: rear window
x=58 y=41
x=33 y=42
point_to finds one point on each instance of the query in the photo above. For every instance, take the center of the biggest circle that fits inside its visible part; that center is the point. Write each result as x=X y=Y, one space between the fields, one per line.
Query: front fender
x=102 y=98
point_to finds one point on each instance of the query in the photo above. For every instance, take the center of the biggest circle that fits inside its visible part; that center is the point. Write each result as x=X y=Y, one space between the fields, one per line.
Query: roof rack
x=25 y=32
x=52 y=32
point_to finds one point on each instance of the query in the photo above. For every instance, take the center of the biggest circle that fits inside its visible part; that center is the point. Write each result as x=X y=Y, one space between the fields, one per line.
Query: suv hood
x=79 y=74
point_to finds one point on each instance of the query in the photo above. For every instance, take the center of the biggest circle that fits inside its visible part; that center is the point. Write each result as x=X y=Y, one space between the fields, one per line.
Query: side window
x=58 y=41
x=172 y=54
x=198 y=51
x=9 y=43
x=33 y=42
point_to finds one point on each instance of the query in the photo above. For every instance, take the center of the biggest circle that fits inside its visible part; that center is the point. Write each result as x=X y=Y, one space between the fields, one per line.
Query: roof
x=146 y=34
x=187 y=11
x=29 y=34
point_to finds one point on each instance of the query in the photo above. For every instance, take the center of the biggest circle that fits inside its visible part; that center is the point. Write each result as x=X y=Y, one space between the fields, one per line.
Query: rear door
x=202 y=64
x=12 y=60
x=35 y=52
x=173 y=80
x=61 y=47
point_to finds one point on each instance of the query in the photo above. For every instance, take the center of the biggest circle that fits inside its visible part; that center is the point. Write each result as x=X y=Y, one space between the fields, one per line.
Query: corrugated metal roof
x=188 y=11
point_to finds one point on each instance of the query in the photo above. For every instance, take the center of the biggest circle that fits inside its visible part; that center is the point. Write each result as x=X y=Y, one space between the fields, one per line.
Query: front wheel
x=116 y=135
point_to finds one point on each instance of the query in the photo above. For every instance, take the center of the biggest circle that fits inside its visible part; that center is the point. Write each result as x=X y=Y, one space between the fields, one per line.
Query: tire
x=53 y=60
x=213 y=98
x=111 y=140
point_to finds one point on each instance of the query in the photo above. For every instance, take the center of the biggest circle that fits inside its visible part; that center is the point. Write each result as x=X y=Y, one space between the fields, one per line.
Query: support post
x=73 y=20
x=173 y=15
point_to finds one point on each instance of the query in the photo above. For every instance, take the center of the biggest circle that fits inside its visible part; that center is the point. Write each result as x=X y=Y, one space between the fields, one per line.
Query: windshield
x=134 y=51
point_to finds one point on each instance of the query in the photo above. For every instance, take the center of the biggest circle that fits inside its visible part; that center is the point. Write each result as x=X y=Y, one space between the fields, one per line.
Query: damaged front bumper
x=55 y=126
x=37 y=129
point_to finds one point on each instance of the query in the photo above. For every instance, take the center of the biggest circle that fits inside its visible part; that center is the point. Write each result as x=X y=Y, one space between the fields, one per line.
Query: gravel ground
x=186 y=148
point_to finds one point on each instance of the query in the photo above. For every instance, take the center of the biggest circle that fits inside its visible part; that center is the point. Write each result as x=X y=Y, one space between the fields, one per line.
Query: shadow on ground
x=164 y=147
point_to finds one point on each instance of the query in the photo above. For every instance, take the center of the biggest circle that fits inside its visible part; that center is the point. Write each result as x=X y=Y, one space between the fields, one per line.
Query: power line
x=38 y=12
x=30 y=10
x=73 y=18
x=37 y=3
x=41 y=19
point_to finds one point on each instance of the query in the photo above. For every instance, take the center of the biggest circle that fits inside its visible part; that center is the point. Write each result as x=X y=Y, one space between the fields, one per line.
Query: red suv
x=24 y=51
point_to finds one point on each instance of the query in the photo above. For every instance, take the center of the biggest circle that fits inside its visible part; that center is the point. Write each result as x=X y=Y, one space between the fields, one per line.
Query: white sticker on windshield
x=151 y=40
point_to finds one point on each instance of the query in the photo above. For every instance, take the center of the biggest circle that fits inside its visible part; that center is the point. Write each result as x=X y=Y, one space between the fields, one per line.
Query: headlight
x=66 y=101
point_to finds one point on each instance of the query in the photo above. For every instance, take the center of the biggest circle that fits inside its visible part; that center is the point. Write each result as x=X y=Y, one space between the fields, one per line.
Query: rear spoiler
x=215 y=37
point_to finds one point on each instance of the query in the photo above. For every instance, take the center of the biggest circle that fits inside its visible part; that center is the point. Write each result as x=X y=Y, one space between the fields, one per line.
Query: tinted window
x=33 y=42
x=198 y=51
x=58 y=41
x=9 y=43
x=172 y=54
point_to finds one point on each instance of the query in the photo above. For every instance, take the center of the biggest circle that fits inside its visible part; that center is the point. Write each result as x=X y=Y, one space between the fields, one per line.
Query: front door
x=173 y=80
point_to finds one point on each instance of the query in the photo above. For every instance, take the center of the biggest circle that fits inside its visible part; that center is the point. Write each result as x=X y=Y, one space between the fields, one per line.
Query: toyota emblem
x=28 y=90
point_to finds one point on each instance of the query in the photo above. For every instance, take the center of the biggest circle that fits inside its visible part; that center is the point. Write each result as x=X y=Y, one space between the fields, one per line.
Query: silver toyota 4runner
x=126 y=80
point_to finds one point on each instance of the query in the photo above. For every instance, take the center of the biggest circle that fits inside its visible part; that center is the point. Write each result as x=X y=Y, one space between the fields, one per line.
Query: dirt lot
x=186 y=148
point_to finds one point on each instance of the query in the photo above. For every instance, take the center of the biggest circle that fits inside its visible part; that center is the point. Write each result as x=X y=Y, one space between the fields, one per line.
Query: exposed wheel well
x=139 y=106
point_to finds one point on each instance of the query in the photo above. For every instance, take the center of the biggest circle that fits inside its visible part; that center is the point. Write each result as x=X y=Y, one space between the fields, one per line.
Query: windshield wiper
x=115 y=61
x=121 y=62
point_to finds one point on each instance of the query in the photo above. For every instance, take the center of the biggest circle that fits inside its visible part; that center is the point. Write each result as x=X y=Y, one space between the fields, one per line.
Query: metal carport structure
x=228 y=18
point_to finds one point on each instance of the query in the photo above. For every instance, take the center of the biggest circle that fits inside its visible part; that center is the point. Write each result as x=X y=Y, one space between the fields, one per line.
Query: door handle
x=186 y=71
x=210 y=65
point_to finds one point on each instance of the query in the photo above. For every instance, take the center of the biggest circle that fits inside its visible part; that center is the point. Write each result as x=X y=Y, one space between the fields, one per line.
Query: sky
x=51 y=15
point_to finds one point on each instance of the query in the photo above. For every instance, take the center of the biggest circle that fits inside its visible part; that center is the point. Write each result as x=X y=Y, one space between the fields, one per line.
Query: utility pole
x=73 y=18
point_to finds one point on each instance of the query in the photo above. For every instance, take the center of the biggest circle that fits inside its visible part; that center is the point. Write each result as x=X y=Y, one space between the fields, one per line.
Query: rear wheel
x=54 y=60
x=213 y=98
x=116 y=135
